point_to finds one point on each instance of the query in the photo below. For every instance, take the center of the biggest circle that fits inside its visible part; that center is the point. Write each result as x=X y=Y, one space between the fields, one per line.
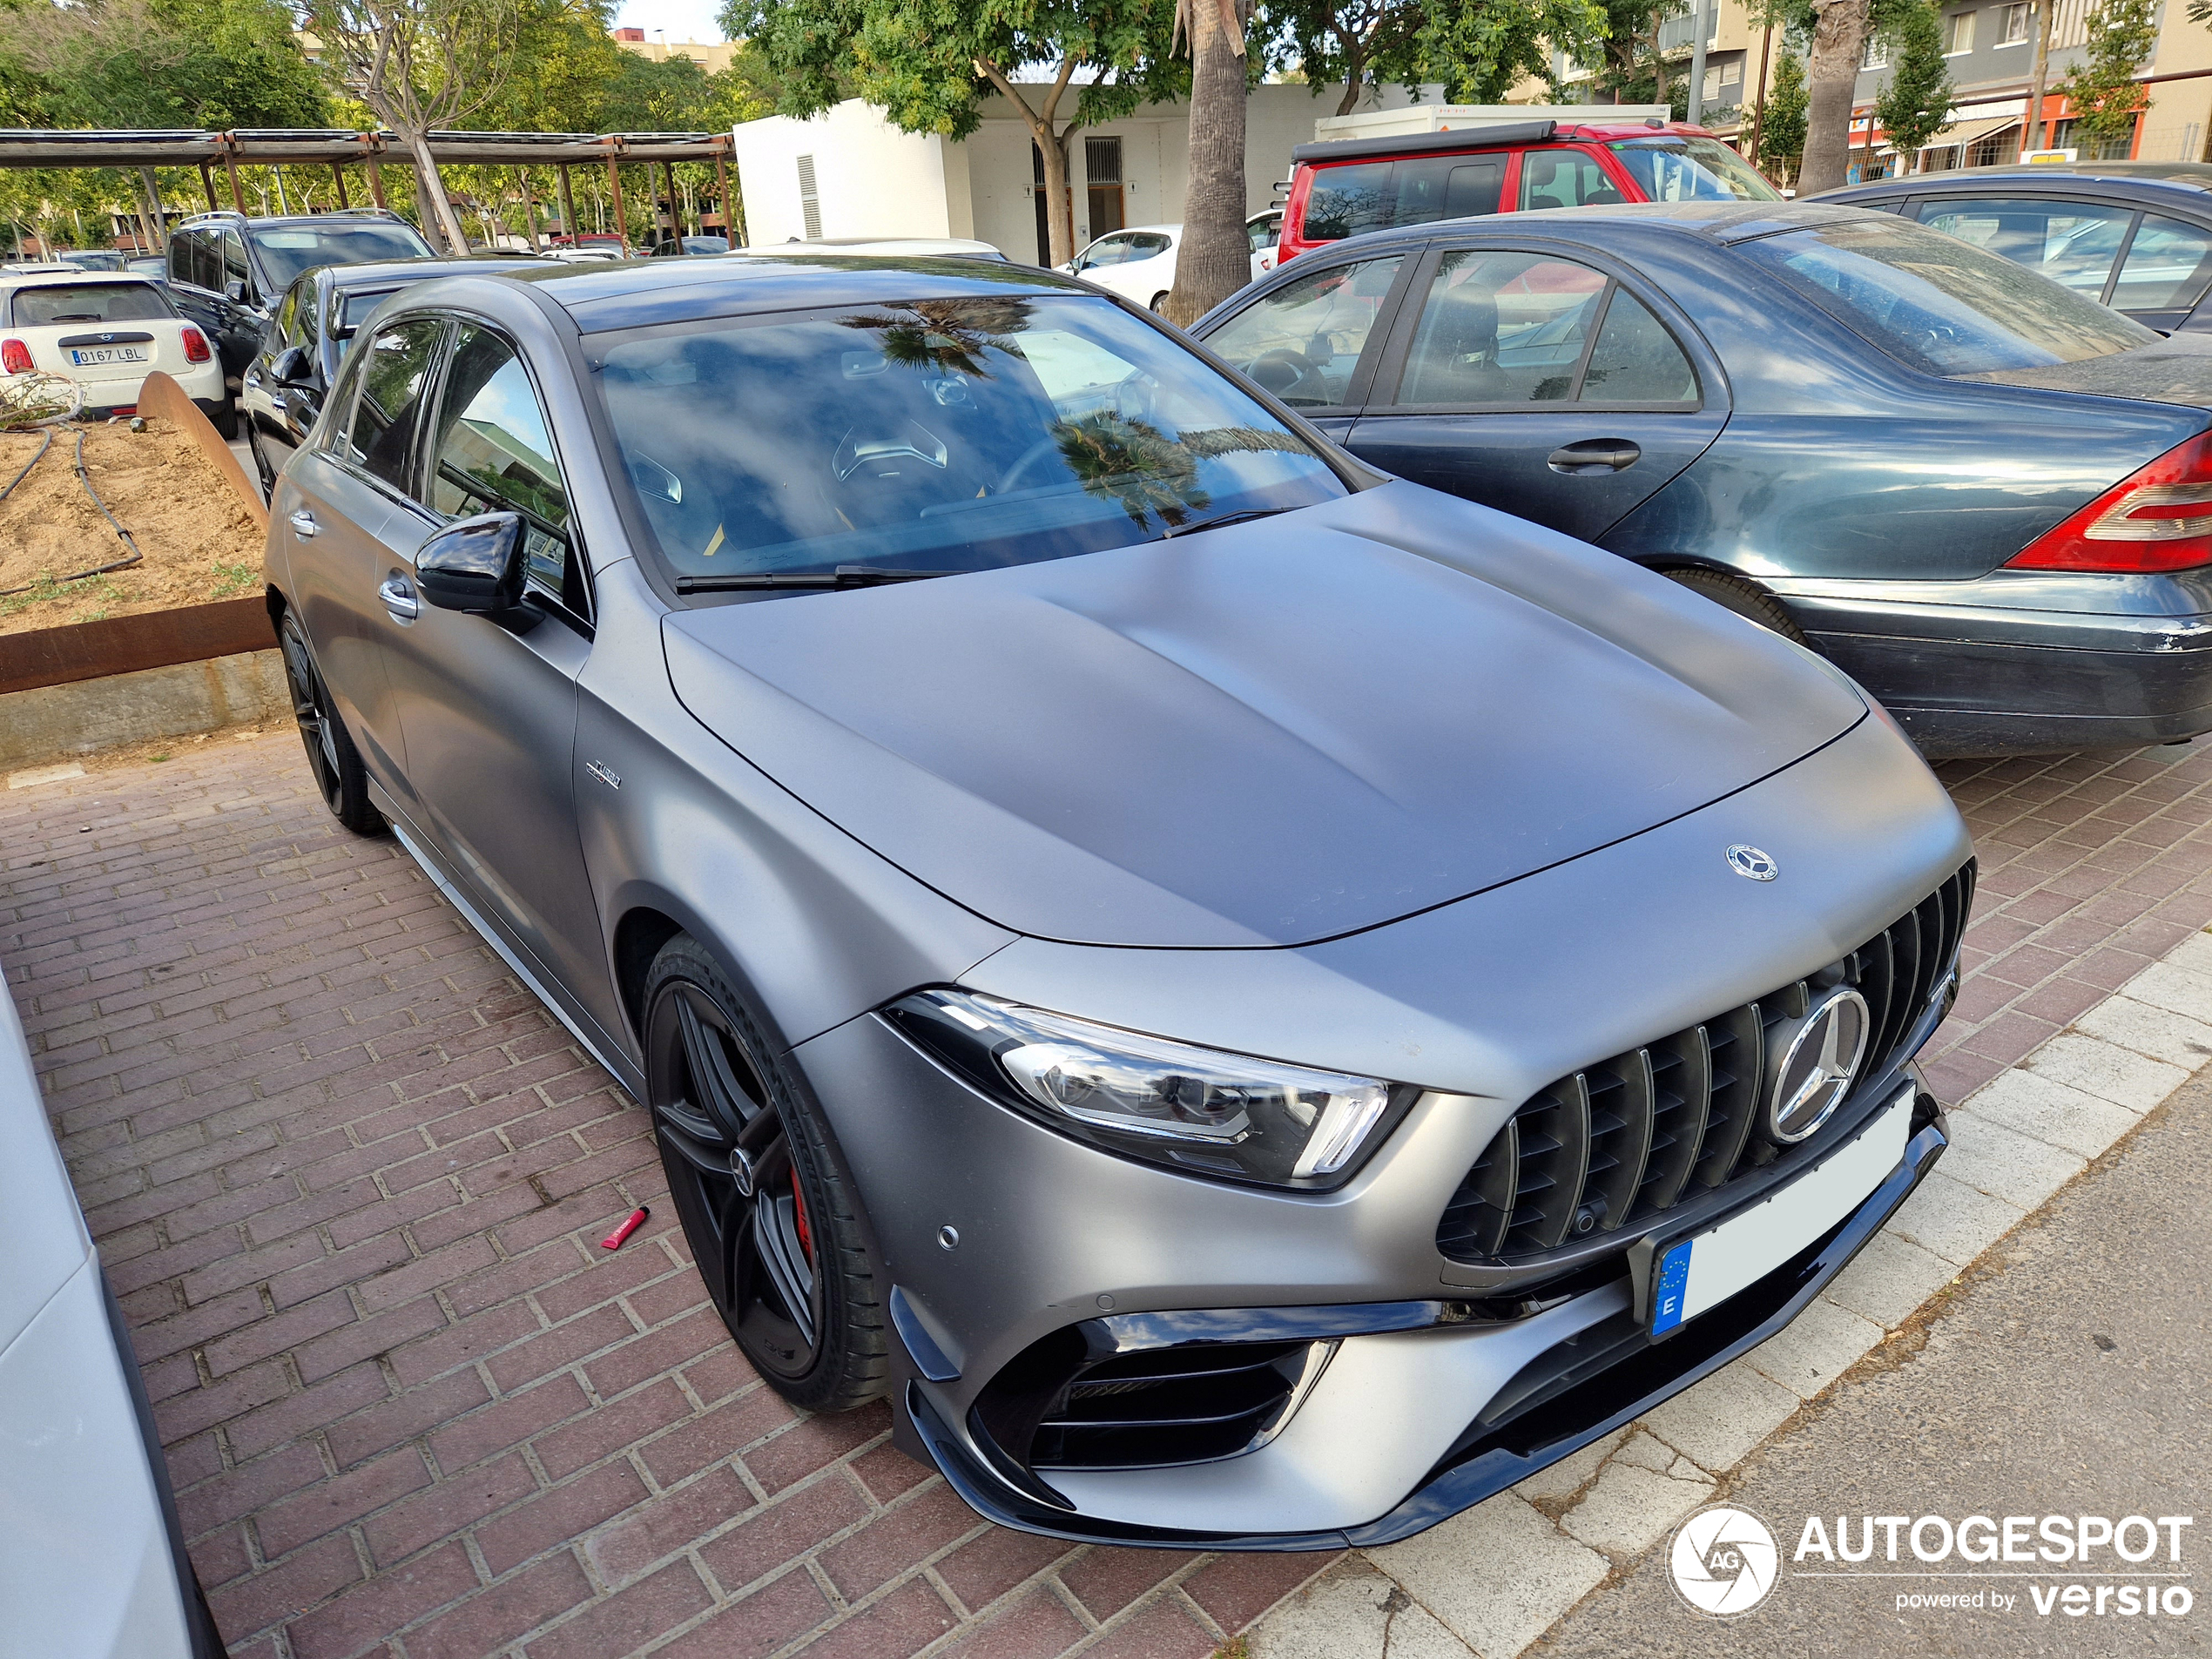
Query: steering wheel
x=1023 y=463
x=1286 y=372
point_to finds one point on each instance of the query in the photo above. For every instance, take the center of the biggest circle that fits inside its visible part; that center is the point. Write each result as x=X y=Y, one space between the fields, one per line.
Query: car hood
x=1263 y=735
x=2177 y=369
x=48 y=1241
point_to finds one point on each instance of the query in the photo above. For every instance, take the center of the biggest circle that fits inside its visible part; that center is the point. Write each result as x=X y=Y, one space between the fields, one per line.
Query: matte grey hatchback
x=1258 y=1002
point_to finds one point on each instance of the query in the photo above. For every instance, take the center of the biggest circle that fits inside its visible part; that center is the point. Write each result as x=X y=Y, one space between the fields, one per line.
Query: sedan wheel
x=332 y=757
x=771 y=1223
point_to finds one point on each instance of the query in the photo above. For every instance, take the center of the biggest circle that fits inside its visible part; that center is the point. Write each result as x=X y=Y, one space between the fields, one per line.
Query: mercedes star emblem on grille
x=1818 y=1065
x=1752 y=864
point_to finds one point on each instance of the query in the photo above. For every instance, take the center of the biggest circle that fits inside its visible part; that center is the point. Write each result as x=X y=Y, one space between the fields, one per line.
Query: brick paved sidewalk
x=348 y=1179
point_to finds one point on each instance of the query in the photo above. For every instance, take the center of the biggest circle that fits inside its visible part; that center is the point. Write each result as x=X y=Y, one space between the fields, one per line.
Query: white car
x=1139 y=263
x=92 y=1562
x=911 y=247
x=107 y=331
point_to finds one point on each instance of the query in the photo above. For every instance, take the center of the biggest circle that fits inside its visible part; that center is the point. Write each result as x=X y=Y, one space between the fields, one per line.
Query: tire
x=263 y=475
x=771 y=1219
x=226 y=418
x=332 y=758
x=1748 y=601
x=1159 y=299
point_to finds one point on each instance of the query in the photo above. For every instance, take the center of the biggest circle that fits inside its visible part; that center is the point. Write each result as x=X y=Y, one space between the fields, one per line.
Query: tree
x=1346 y=45
x=1214 y=260
x=2103 y=88
x=1481 y=48
x=1838 y=42
x=1633 y=69
x=1782 y=125
x=1916 y=104
x=419 y=65
x=929 y=64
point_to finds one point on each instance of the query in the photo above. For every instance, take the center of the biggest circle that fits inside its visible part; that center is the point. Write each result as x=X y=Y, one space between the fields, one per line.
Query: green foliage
x=1915 y=104
x=1632 y=68
x=1478 y=48
x=922 y=59
x=1782 y=129
x=2103 y=87
x=166 y=64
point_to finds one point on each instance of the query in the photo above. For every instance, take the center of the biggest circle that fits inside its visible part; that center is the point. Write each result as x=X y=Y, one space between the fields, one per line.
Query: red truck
x=1348 y=186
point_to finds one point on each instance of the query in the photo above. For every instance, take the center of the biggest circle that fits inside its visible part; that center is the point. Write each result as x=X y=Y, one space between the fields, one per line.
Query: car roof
x=637 y=292
x=262 y=221
x=1721 y=223
x=2141 y=182
x=14 y=276
x=368 y=274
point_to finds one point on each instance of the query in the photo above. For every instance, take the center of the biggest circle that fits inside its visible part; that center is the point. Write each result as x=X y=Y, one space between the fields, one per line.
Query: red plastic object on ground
x=613 y=1240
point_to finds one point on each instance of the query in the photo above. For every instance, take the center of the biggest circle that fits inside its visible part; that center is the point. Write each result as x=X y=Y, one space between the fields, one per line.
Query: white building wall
x=874 y=181
x=871 y=179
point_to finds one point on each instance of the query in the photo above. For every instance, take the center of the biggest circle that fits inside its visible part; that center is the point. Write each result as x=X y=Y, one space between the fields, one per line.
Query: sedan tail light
x=195 y=346
x=14 y=357
x=2157 y=519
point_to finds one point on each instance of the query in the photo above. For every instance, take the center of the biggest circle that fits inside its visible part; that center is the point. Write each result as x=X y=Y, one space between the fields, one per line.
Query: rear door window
x=2166 y=267
x=2072 y=242
x=1303 y=341
x=1356 y=197
x=1504 y=327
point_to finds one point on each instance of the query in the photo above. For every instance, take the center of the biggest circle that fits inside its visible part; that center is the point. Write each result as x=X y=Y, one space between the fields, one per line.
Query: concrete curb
x=1492 y=1582
x=83 y=717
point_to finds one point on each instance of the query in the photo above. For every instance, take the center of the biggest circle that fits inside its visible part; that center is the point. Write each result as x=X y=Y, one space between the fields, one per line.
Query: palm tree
x=1215 y=260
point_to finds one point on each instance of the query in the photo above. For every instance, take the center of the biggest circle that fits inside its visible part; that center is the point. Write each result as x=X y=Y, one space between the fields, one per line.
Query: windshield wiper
x=846 y=576
x=1215 y=522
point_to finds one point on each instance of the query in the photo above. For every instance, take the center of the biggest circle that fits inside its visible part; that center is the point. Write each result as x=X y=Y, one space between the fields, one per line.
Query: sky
x=683 y=19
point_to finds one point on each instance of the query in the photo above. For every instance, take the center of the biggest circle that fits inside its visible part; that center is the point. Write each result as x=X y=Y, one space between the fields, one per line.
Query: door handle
x=1594 y=455
x=303 y=524
x=399 y=598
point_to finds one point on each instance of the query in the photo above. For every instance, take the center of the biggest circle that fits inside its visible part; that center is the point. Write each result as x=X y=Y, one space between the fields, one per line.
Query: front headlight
x=1195 y=1109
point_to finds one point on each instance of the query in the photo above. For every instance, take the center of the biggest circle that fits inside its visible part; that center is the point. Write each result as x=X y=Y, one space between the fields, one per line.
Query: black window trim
x=1339 y=257
x=1390 y=370
x=336 y=445
x=578 y=567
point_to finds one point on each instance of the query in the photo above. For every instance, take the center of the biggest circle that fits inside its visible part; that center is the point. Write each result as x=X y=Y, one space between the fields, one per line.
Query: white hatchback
x=1139 y=263
x=106 y=330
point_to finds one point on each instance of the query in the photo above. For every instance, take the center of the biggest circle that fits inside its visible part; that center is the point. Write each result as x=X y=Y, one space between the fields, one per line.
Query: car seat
x=1455 y=358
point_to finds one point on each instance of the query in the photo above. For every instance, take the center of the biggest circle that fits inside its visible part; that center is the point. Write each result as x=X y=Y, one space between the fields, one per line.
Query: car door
x=239 y=315
x=1310 y=340
x=280 y=413
x=1539 y=384
x=489 y=706
x=193 y=263
x=327 y=516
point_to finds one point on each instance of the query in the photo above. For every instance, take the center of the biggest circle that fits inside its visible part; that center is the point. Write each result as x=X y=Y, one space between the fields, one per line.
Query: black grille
x=1632 y=1136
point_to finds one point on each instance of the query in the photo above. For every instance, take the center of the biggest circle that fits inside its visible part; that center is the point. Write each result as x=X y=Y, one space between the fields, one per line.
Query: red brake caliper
x=799 y=1214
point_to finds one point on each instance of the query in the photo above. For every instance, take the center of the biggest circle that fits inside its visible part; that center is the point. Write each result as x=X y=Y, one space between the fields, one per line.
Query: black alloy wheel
x=771 y=1222
x=263 y=471
x=332 y=757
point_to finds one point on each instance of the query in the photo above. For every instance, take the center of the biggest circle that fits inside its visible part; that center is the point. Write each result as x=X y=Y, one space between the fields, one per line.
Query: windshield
x=1939 y=305
x=90 y=302
x=287 y=251
x=1669 y=169
x=936 y=435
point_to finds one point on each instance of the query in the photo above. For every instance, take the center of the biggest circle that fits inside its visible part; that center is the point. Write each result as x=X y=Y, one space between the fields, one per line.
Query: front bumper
x=2022 y=662
x=1484 y=1458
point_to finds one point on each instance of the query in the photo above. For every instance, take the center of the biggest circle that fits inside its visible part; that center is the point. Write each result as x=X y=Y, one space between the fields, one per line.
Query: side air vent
x=1630 y=1137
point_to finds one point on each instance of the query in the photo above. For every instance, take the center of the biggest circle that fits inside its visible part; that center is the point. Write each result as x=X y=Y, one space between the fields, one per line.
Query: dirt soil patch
x=199 y=540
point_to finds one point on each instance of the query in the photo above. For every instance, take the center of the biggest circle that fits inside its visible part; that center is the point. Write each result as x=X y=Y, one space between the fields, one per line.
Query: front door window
x=1303 y=341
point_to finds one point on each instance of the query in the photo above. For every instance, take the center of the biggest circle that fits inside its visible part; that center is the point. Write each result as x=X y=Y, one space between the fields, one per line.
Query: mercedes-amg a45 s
x=1258 y=1002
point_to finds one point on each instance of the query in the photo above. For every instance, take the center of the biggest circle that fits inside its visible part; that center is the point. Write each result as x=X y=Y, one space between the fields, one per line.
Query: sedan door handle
x=303 y=524
x=1594 y=455
x=398 y=595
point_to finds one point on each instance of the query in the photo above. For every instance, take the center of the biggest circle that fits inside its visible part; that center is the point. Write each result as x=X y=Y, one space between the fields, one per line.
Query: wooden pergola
x=283 y=146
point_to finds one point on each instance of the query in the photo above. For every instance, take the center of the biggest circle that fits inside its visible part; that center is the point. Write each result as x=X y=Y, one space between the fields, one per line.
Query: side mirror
x=291 y=366
x=234 y=291
x=476 y=565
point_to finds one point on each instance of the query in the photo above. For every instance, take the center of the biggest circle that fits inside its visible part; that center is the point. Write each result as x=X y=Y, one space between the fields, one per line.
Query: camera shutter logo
x=1724 y=1561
